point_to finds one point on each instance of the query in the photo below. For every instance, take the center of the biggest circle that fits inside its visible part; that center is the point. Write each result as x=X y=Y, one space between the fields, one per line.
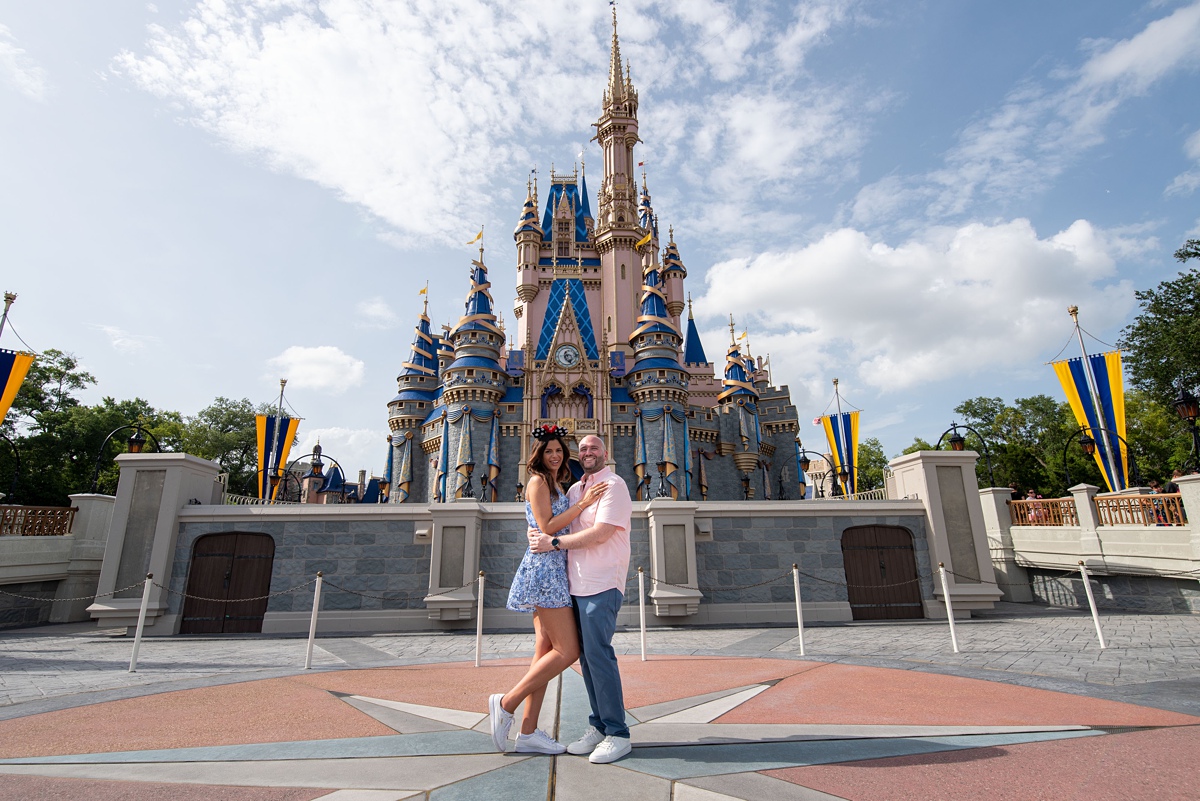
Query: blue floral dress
x=541 y=579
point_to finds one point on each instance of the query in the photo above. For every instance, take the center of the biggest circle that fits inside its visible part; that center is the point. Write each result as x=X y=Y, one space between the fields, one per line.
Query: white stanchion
x=799 y=608
x=312 y=623
x=1087 y=586
x=642 y=608
x=949 y=605
x=137 y=637
x=479 y=623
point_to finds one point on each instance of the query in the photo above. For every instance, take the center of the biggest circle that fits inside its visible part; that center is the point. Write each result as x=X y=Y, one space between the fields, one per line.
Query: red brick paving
x=667 y=678
x=849 y=694
x=41 y=788
x=1159 y=765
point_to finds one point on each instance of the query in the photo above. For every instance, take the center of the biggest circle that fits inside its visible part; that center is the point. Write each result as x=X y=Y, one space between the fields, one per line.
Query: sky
x=200 y=198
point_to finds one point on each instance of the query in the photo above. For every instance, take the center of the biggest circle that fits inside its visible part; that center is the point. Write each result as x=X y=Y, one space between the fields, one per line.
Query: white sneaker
x=585 y=744
x=538 y=743
x=610 y=749
x=501 y=722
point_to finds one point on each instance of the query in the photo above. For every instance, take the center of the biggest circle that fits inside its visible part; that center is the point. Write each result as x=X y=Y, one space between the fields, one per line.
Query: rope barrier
x=67 y=600
x=232 y=600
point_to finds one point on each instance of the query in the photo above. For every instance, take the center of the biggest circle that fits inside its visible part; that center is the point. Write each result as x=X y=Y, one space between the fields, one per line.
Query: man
x=597 y=566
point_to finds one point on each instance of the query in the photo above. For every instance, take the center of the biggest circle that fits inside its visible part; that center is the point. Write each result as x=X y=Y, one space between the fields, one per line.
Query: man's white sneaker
x=501 y=722
x=538 y=743
x=585 y=744
x=610 y=749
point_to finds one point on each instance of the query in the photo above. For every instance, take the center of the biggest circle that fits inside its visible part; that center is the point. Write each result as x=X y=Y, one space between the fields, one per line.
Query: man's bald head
x=592 y=454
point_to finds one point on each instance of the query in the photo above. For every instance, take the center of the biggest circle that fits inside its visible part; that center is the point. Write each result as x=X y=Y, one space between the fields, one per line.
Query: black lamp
x=137 y=441
x=745 y=486
x=804 y=463
x=957 y=442
x=1187 y=405
x=1088 y=444
x=520 y=492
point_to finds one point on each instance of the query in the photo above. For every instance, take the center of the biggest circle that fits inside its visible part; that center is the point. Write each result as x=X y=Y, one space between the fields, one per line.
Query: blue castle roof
x=693 y=349
x=568 y=190
x=654 y=316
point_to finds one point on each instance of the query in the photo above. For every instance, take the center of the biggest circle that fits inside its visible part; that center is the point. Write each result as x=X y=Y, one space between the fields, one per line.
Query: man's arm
x=588 y=538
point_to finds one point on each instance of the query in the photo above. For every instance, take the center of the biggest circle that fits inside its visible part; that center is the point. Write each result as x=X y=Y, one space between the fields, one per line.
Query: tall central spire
x=616 y=78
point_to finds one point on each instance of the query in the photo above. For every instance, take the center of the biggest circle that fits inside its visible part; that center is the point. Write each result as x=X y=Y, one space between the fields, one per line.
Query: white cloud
x=419 y=111
x=18 y=70
x=375 y=313
x=950 y=300
x=324 y=368
x=354 y=448
x=1020 y=148
x=1188 y=182
x=124 y=341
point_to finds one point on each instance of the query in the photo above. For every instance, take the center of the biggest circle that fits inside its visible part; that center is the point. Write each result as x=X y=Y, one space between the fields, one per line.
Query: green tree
x=918 y=444
x=224 y=432
x=1162 y=344
x=871 y=464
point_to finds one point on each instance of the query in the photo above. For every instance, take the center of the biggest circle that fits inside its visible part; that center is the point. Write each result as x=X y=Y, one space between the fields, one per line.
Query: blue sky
x=201 y=198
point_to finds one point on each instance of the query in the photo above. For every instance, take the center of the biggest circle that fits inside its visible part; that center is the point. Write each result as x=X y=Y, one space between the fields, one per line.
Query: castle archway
x=881 y=573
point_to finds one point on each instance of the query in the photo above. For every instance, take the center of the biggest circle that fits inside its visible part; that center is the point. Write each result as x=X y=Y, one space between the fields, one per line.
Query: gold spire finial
x=732 y=331
x=616 y=88
x=671 y=232
x=689 y=305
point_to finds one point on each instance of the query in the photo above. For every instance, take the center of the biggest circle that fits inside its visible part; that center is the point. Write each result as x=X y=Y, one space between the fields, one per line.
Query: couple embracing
x=572 y=579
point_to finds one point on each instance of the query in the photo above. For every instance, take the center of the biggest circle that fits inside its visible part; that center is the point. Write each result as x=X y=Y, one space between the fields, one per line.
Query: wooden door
x=225 y=569
x=881 y=569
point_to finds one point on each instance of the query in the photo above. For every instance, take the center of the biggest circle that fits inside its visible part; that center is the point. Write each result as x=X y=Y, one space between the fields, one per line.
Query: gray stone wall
x=1150 y=594
x=748 y=550
x=19 y=612
x=375 y=557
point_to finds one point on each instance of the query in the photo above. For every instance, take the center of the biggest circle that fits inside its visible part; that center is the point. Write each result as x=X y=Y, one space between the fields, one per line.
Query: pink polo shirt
x=604 y=566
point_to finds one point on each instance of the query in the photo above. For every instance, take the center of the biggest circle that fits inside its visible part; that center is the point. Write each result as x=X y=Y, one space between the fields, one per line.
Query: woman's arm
x=539 y=503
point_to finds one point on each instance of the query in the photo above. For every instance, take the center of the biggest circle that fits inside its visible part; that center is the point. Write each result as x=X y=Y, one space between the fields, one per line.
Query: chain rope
x=68 y=600
x=234 y=600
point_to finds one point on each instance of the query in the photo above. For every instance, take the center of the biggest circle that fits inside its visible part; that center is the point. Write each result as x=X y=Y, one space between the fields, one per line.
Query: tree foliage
x=871 y=464
x=1162 y=344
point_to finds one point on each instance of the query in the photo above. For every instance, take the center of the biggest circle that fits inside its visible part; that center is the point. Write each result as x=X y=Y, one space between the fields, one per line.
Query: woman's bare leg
x=533 y=701
x=556 y=628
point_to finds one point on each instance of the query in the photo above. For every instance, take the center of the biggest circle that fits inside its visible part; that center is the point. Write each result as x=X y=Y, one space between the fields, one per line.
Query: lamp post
x=135 y=445
x=316 y=466
x=467 y=492
x=745 y=486
x=1187 y=406
x=1088 y=444
x=662 y=481
x=520 y=497
x=805 y=463
x=959 y=443
x=782 y=491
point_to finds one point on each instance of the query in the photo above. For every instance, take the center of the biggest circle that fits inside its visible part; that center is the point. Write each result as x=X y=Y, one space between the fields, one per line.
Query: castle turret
x=473 y=385
x=528 y=236
x=673 y=274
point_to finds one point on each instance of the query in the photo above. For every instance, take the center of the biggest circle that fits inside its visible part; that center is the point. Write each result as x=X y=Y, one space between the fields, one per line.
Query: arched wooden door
x=226 y=568
x=880 y=571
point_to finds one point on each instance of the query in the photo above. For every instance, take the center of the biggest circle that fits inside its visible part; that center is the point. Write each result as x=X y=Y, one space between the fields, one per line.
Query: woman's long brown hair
x=537 y=465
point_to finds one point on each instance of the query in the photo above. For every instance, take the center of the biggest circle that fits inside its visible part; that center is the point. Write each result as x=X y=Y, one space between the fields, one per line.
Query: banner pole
x=479 y=622
x=312 y=623
x=1087 y=586
x=141 y=624
x=799 y=608
x=949 y=605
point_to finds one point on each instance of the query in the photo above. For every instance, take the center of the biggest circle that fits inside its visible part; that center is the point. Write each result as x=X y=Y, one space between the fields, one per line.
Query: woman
x=540 y=586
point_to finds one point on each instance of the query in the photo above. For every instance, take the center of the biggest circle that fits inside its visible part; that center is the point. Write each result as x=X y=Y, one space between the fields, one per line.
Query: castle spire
x=616 y=81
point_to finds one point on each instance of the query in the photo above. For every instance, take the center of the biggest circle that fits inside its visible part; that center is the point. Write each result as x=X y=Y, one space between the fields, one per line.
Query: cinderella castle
x=599 y=349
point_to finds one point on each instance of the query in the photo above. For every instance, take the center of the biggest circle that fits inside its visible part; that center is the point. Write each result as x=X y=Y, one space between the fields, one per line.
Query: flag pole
x=273 y=455
x=838 y=433
x=9 y=297
x=1093 y=388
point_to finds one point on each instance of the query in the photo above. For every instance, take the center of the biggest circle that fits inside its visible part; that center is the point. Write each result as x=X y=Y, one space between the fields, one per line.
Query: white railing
x=230 y=499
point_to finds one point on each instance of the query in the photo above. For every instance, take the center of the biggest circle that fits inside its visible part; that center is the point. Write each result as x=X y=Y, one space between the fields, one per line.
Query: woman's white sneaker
x=501 y=722
x=538 y=743
x=610 y=749
x=585 y=744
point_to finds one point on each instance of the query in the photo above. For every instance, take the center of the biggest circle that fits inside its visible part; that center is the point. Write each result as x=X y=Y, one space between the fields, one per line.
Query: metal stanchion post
x=479 y=622
x=1087 y=586
x=137 y=637
x=312 y=623
x=642 y=608
x=799 y=608
x=949 y=605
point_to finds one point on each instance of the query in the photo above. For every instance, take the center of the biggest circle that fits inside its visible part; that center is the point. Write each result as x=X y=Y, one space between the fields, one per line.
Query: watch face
x=567 y=356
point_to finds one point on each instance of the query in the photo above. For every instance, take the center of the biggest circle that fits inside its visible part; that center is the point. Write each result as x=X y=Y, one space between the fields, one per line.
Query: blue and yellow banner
x=841 y=431
x=1109 y=418
x=265 y=425
x=13 y=367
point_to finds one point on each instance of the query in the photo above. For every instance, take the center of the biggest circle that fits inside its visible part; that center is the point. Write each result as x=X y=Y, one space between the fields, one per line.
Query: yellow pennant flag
x=424 y=291
x=645 y=238
x=478 y=236
x=743 y=335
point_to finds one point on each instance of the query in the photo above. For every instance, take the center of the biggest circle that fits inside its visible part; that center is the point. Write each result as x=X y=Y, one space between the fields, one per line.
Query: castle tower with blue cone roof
x=598 y=347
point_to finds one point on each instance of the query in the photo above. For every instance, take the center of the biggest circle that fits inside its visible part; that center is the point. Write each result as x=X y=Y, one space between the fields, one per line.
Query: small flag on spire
x=743 y=335
x=424 y=291
x=641 y=164
x=478 y=236
x=645 y=238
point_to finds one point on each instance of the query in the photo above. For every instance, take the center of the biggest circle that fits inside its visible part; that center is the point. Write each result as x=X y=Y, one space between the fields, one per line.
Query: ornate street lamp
x=1088 y=444
x=520 y=498
x=467 y=492
x=745 y=486
x=663 y=492
x=1187 y=406
x=135 y=445
x=959 y=443
x=804 y=463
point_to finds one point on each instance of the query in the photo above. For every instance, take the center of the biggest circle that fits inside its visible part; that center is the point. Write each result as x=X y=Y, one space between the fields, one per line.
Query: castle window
x=622 y=271
x=512 y=408
x=622 y=408
x=662 y=373
x=470 y=372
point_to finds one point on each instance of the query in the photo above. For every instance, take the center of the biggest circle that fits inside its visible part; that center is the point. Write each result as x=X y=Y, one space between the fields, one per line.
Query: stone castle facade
x=599 y=348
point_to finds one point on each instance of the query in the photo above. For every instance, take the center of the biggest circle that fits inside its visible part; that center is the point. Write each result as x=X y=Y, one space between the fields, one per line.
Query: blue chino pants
x=596 y=616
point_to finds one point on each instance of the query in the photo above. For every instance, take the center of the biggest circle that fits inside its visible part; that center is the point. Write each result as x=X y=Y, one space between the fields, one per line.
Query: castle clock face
x=566 y=356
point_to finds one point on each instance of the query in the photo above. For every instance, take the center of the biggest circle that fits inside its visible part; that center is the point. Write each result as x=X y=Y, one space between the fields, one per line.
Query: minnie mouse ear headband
x=544 y=433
